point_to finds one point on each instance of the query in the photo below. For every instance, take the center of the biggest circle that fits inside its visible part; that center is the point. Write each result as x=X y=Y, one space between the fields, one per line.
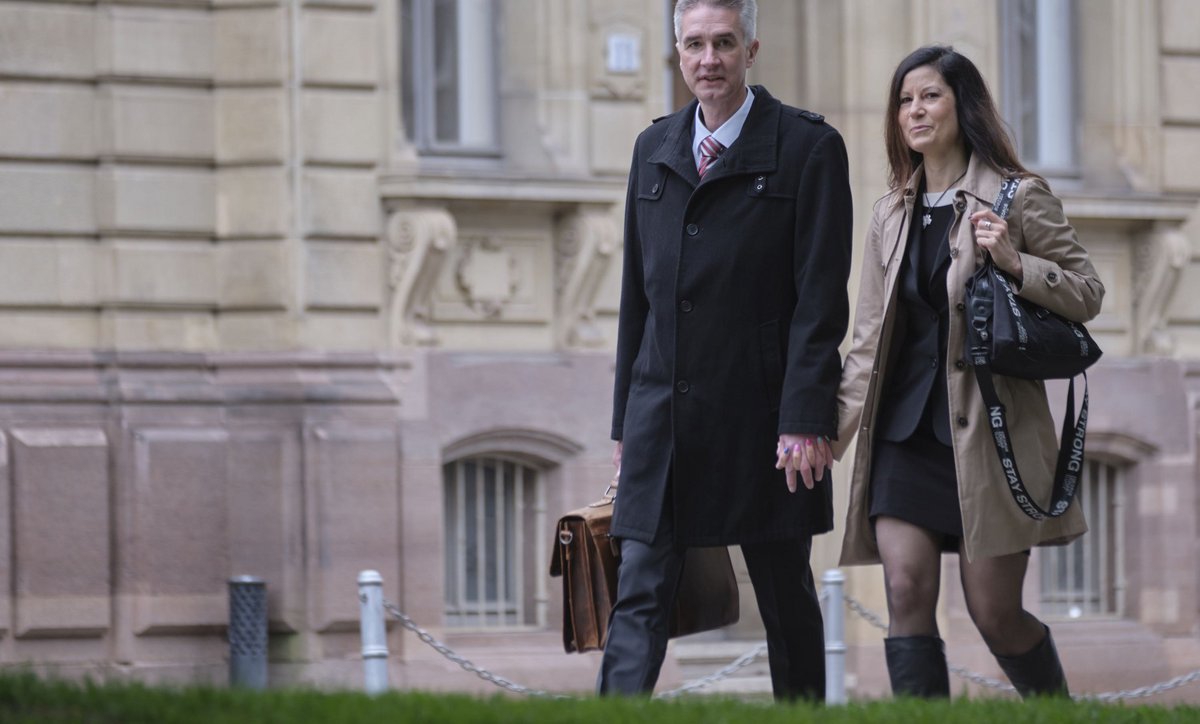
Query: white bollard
x=835 y=637
x=374 y=631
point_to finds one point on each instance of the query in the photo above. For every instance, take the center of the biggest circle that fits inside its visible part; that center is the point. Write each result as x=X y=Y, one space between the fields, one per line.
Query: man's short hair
x=747 y=11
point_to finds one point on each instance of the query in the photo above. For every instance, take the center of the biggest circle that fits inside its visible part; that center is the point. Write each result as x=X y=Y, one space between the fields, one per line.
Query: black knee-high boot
x=917 y=666
x=1037 y=672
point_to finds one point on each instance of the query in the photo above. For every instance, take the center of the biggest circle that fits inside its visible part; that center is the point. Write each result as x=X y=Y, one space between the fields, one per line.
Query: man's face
x=713 y=54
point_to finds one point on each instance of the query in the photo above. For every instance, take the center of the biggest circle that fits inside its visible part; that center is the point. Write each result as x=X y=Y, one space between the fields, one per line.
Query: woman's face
x=928 y=117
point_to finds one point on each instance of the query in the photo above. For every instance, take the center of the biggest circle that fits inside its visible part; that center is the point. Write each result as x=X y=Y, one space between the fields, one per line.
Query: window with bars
x=494 y=512
x=1038 y=87
x=448 y=82
x=1083 y=579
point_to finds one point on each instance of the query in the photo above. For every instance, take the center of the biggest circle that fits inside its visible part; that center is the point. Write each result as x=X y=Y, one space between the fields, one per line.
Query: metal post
x=374 y=632
x=248 y=632
x=835 y=632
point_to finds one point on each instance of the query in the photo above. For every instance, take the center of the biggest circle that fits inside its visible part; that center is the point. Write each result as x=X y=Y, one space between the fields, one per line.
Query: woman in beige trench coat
x=926 y=476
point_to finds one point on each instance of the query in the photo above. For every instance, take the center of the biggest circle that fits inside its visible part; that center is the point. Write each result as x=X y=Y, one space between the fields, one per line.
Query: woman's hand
x=991 y=233
x=808 y=454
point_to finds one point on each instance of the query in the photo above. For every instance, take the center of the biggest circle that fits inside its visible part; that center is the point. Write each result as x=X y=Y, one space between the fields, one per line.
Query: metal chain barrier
x=446 y=651
x=1107 y=697
x=1144 y=691
x=738 y=664
x=758 y=652
x=406 y=621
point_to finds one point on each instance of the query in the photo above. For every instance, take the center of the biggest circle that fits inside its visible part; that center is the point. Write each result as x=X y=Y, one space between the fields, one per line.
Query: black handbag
x=1012 y=336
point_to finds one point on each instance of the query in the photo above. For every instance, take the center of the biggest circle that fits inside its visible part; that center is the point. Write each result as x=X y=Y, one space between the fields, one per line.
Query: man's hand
x=808 y=454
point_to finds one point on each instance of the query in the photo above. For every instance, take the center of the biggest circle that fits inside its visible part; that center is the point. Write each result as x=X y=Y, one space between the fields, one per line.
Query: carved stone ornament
x=418 y=242
x=586 y=245
x=1159 y=264
x=618 y=61
x=487 y=276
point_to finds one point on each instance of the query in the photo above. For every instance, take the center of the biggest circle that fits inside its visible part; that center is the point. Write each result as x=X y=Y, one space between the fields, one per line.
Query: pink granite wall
x=139 y=484
x=133 y=486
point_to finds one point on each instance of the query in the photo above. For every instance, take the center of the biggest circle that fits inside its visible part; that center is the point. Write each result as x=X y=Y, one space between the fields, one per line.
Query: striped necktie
x=710 y=150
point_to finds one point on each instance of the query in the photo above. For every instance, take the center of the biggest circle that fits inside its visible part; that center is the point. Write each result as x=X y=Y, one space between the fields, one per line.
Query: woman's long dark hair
x=979 y=122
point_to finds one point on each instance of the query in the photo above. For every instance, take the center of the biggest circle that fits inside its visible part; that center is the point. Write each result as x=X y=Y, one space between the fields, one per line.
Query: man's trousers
x=787 y=600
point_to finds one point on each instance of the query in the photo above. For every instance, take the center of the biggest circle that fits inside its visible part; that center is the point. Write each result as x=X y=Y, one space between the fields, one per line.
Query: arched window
x=1084 y=579
x=494 y=507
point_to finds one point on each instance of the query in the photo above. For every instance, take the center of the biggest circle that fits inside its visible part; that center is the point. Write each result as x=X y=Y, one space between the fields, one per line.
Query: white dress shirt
x=729 y=130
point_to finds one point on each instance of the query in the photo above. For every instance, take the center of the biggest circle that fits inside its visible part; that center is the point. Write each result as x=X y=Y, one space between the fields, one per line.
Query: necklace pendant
x=926 y=220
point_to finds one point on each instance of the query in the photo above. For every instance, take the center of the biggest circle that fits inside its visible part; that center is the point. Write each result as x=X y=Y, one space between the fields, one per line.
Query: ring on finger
x=987 y=225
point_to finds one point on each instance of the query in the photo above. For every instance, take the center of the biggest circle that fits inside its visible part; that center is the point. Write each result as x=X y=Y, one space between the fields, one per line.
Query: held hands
x=991 y=233
x=808 y=454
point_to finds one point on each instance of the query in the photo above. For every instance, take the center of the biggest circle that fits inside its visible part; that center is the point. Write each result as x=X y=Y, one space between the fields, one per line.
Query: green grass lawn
x=25 y=699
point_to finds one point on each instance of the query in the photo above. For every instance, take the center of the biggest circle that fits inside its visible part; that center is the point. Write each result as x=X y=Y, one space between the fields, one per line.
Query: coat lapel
x=755 y=149
x=753 y=152
x=980 y=181
x=675 y=151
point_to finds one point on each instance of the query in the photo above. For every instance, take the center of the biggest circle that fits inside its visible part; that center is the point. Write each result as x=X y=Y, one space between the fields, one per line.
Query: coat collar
x=753 y=152
x=980 y=181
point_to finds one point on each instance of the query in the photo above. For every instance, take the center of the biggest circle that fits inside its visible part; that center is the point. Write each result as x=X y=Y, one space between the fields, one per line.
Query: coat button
x=933 y=363
x=960 y=364
x=1052 y=277
x=683 y=387
x=692 y=229
x=962 y=421
x=685 y=306
x=960 y=206
x=954 y=252
x=654 y=189
x=760 y=183
x=961 y=307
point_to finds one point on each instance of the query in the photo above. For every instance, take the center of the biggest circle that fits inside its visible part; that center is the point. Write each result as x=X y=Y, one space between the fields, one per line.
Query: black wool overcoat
x=733 y=304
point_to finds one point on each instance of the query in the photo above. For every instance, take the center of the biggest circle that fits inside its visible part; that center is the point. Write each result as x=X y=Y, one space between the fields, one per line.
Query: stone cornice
x=111 y=377
x=1128 y=206
x=465 y=186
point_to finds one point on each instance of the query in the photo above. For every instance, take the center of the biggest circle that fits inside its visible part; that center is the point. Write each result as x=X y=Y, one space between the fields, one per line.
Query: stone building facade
x=296 y=288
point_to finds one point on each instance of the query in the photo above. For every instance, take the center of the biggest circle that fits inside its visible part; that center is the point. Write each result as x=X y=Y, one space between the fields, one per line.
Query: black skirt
x=915 y=481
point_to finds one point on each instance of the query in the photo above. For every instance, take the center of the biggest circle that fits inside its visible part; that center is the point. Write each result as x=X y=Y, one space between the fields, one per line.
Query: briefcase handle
x=610 y=493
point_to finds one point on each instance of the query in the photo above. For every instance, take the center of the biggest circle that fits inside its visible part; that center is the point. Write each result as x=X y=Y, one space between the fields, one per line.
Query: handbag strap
x=1070 y=453
x=1003 y=205
x=1004 y=199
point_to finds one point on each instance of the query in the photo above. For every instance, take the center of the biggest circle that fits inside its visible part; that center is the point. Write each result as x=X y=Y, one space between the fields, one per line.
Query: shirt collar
x=728 y=132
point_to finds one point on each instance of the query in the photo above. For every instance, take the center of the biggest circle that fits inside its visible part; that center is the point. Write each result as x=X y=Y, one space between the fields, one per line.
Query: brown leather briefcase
x=586 y=557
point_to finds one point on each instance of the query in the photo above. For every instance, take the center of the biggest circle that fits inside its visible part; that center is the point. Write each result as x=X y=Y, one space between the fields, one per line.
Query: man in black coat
x=733 y=304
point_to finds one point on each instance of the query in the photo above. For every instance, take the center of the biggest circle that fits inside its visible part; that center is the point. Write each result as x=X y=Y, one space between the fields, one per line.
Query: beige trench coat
x=1057 y=275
